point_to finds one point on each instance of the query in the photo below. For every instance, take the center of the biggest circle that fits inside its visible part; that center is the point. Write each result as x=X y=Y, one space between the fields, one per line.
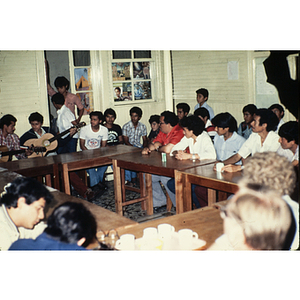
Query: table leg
x=65 y=179
x=142 y=190
x=56 y=184
x=211 y=194
x=179 y=192
x=48 y=180
x=149 y=201
x=117 y=187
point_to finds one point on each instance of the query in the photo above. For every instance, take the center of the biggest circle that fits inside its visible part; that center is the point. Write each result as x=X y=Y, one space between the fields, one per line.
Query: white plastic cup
x=219 y=166
x=150 y=233
x=186 y=238
x=126 y=242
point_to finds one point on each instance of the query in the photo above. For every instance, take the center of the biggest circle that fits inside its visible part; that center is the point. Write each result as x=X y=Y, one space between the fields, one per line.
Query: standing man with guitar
x=8 y=138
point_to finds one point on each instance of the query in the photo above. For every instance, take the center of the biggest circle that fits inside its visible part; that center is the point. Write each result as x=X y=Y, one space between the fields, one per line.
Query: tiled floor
x=133 y=211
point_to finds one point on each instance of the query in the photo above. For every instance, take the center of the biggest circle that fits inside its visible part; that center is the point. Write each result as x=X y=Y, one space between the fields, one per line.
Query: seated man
x=278 y=110
x=37 y=129
x=183 y=110
x=154 y=123
x=170 y=134
x=204 y=115
x=71 y=226
x=256 y=218
x=262 y=139
x=8 y=138
x=245 y=128
x=22 y=208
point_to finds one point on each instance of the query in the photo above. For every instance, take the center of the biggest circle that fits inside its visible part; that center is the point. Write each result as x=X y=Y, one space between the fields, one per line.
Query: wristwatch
x=193 y=157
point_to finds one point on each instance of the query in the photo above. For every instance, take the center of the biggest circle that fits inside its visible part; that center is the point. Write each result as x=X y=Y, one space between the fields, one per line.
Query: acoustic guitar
x=48 y=141
x=6 y=155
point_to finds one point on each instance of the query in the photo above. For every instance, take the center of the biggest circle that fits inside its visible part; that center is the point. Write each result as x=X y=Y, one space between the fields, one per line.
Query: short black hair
x=278 y=106
x=136 y=110
x=203 y=92
x=250 y=108
x=58 y=99
x=70 y=222
x=110 y=111
x=289 y=131
x=36 y=117
x=98 y=114
x=61 y=81
x=268 y=117
x=154 y=118
x=184 y=106
x=193 y=123
x=26 y=187
x=7 y=120
x=224 y=120
x=170 y=118
x=202 y=111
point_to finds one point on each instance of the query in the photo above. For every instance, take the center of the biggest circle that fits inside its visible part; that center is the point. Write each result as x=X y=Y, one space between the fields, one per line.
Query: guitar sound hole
x=46 y=143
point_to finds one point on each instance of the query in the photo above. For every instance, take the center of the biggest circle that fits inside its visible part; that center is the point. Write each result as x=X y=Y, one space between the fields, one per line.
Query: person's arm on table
x=181 y=155
x=232 y=160
x=82 y=144
x=103 y=144
x=151 y=147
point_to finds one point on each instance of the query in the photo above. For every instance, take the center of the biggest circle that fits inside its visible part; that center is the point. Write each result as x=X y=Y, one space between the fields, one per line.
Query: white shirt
x=253 y=144
x=281 y=122
x=231 y=146
x=203 y=146
x=205 y=105
x=93 y=139
x=64 y=119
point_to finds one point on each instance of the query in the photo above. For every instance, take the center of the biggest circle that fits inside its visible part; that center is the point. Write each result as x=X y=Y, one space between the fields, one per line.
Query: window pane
x=141 y=70
x=121 y=54
x=87 y=102
x=122 y=91
x=142 y=54
x=121 y=71
x=81 y=58
x=142 y=90
x=83 y=80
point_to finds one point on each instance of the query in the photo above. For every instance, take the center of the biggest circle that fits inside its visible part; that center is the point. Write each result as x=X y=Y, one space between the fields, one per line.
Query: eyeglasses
x=160 y=123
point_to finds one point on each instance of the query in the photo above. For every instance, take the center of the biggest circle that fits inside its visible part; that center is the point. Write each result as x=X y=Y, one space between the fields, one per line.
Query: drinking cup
x=126 y=242
x=186 y=238
x=219 y=166
x=165 y=231
x=150 y=233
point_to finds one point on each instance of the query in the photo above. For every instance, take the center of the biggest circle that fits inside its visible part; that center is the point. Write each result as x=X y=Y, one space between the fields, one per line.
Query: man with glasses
x=170 y=134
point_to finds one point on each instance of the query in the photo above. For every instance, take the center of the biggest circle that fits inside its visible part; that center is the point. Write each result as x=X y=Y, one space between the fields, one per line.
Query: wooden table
x=148 y=164
x=35 y=167
x=205 y=221
x=207 y=177
x=69 y=162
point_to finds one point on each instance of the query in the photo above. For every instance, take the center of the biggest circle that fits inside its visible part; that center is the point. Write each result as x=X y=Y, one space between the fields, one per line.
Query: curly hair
x=271 y=170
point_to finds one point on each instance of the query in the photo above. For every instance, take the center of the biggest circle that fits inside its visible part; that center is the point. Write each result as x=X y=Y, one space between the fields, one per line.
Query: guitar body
x=42 y=142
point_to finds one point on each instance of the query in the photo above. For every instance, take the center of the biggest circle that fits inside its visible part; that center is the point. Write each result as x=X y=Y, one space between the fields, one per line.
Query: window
x=131 y=75
x=81 y=64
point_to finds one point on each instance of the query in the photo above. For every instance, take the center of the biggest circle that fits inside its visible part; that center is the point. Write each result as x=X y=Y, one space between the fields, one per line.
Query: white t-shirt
x=288 y=153
x=64 y=119
x=93 y=139
x=253 y=144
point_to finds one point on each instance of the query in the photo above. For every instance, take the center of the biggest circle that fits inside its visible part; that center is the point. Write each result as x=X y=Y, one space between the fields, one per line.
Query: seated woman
x=196 y=144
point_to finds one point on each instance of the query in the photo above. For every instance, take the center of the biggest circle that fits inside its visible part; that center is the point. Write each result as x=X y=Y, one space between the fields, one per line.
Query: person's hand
x=231 y=168
x=215 y=168
x=181 y=155
x=73 y=131
x=146 y=150
x=28 y=152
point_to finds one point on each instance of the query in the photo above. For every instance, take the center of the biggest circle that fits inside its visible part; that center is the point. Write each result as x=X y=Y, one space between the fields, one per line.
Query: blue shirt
x=210 y=110
x=244 y=130
x=228 y=148
x=43 y=242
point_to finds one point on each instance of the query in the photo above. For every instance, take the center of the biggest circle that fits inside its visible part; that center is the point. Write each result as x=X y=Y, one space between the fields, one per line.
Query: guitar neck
x=66 y=131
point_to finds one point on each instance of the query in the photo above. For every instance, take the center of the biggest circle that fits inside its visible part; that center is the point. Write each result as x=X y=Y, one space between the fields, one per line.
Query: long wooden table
x=205 y=221
x=204 y=176
x=148 y=164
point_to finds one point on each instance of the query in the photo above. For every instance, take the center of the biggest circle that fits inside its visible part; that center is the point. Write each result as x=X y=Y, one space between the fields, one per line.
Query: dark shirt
x=113 y=135
x=153 y=134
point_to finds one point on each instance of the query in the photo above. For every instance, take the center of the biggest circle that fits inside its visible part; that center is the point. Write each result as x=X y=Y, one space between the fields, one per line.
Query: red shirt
x=173 y=137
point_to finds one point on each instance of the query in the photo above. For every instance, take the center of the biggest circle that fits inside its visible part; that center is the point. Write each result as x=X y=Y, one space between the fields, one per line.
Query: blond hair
x=271 y=170
x=264 y=216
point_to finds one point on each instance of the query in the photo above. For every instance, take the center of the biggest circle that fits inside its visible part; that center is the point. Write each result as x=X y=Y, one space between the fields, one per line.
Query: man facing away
x=22 y=208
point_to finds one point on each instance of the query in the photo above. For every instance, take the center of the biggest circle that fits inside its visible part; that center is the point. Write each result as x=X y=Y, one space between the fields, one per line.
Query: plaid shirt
x=134 y=134
x=12 y=142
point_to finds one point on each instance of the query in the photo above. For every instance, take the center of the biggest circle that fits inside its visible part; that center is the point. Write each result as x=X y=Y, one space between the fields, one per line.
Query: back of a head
x=203 y=112
x=193 y=123
x=267 y=116
x=26 y=187
x=250 y=108
x=136 y=110
x=61 y=81
x=184 y=106
x=224 y=120
x=170 y=118
x=264 y=216
x=71 y=222
x=271 y=170
x=290 y=131
x=7 y=120
x=58 y=99
x=36 y=117
x=110 y=111
x=203 y=92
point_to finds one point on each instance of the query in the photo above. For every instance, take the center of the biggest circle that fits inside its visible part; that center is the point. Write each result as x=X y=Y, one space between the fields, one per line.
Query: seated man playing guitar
x=37 y=131
x=9 y=139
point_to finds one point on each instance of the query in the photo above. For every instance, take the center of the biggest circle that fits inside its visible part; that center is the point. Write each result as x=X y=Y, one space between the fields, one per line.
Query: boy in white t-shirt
x=94 y=136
